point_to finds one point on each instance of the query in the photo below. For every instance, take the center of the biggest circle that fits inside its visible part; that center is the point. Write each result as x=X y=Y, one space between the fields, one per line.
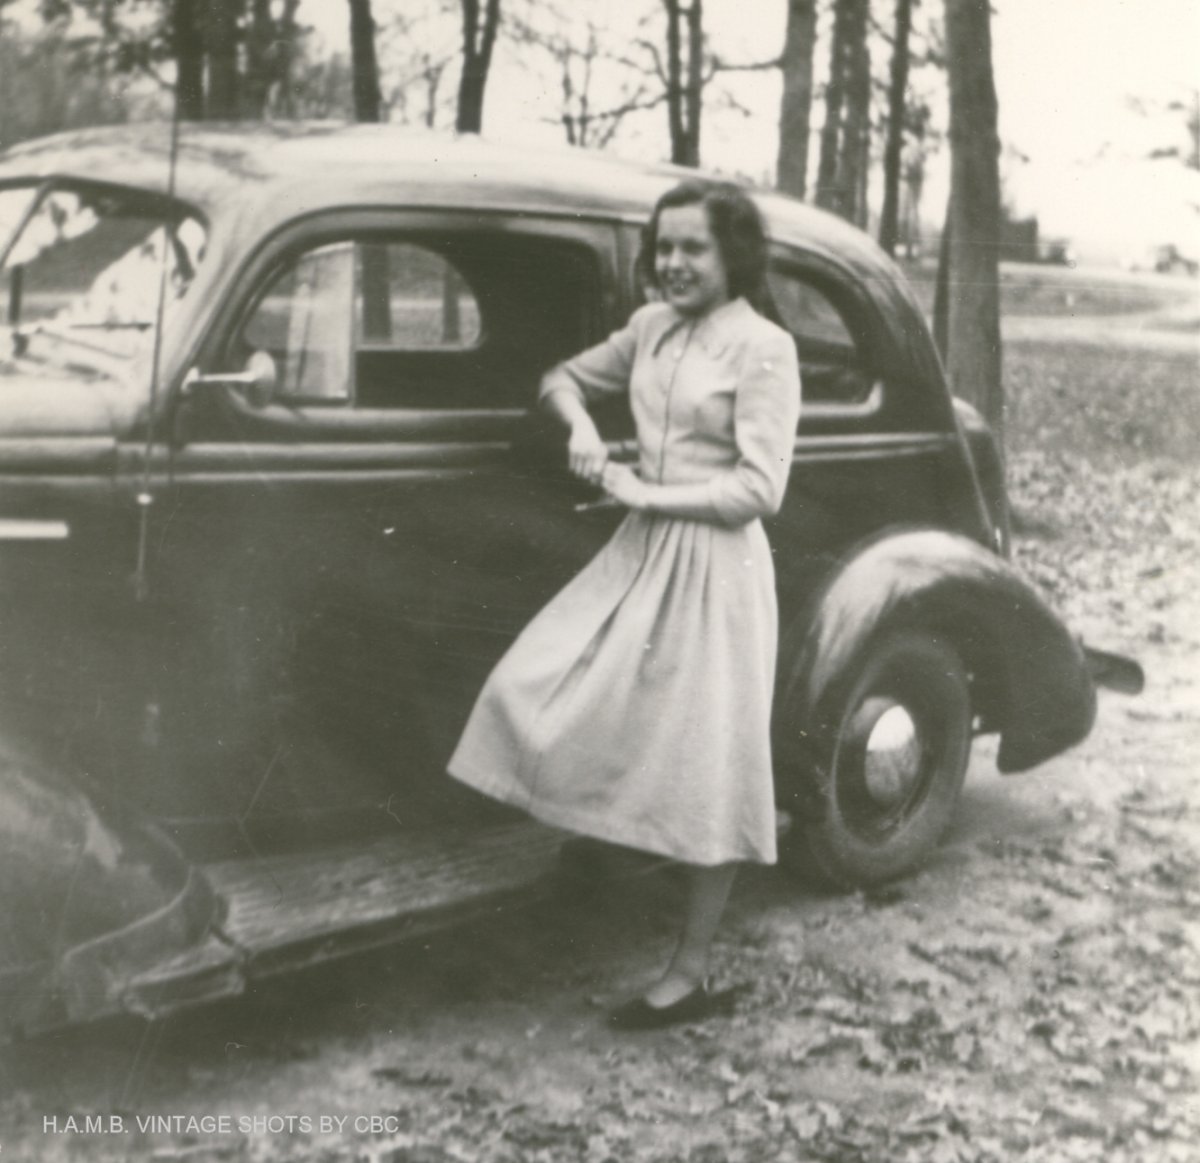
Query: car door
x=348 y=559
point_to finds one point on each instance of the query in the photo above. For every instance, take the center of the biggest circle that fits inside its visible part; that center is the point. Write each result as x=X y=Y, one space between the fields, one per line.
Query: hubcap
x=892 y=762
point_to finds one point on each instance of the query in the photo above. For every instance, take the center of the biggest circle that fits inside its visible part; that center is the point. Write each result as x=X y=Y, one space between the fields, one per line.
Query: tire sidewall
x=923 y=673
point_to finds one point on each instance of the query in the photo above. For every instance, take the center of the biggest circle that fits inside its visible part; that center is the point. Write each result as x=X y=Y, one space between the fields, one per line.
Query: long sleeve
x=766 y=411
x=603 y=370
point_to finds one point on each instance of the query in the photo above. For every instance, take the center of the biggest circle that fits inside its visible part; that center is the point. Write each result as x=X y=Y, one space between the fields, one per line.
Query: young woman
x=635 y=707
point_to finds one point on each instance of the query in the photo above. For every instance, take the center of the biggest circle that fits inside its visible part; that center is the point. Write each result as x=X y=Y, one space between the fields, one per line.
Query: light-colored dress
x=635 y=707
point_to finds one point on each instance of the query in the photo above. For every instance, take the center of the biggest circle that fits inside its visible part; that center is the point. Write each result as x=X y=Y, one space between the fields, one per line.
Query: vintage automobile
x=274 y=497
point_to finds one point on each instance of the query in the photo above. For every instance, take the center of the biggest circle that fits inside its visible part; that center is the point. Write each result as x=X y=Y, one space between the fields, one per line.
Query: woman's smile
x=687 y=261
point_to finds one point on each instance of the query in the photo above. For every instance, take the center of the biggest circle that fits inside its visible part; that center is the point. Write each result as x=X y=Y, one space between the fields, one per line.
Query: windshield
x=14 y=202
x=82 y=268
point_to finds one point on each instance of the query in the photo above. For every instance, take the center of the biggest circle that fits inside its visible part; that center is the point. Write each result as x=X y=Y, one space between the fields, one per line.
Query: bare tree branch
x=723 y=66
x=618 y=111
x=727 y=100
x=660 y=70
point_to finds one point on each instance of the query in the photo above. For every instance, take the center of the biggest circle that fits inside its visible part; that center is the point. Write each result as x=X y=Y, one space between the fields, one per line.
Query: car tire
x=887 y=771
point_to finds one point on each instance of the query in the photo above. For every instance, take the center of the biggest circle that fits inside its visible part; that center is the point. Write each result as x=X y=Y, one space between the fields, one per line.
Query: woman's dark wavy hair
x=737 y=227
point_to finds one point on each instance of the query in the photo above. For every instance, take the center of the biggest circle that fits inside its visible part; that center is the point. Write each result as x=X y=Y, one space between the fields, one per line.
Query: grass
x=1111 y=406
x=1022 y=293
x=1104 y=470
x=1026 y=289
x=1076 y=392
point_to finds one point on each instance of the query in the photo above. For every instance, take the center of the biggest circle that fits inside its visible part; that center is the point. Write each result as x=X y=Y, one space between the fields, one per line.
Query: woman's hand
x=623 y=484
x=587 y=454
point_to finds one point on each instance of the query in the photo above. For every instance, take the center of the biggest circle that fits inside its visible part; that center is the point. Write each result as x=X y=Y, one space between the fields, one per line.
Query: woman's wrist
x=581 y=424
x=691 y=501
x=624 y=485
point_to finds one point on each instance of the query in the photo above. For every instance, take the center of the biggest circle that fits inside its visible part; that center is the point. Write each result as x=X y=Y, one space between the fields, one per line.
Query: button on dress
x=635 y=707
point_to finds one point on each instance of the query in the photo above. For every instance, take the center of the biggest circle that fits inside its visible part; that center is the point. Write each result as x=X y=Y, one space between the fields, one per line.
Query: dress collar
x=703 y=326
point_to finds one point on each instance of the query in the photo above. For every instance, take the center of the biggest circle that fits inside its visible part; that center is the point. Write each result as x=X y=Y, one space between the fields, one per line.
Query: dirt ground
x=1032 y=994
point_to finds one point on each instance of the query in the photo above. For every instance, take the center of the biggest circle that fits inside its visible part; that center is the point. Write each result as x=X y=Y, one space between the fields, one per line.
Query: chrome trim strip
x=33 y=529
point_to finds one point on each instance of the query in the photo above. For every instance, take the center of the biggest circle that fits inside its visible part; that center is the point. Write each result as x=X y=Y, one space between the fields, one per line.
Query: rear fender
x=85 y=898
x=1029 y=677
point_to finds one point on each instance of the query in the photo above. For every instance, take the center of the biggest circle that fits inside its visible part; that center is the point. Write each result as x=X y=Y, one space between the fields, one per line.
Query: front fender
x=1030 y=679
x=76 y=885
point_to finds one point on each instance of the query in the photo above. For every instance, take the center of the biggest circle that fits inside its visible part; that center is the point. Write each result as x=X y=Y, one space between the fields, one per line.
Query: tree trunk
x=221 y=45
x=795 y=109
x=368 y=106
x=889 y=218
x=451 y=315
x=433 y=79
x=685 y=79
x=284 y=102
x=914 y=186
x=368 y=100
x=941 y=289
x=270 y=51
x=973 y=354
x=835 y=89
x=189 y=60
x=862 y=206
x=854 y=154
x=258 y=74
x=477 y=59
x=695 y=81
x=675 y=82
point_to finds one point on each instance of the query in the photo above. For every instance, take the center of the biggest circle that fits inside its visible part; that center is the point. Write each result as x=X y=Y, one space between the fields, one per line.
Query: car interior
x=460 y=322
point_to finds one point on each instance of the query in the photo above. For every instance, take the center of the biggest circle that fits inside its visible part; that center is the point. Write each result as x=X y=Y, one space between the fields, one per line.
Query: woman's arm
x=587 y=454
x=599 y=371
x=765 y=413
x=692 y=501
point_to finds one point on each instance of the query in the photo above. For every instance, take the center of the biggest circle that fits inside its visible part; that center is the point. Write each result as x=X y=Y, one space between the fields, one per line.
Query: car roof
x=289 y=168
x=253 y=178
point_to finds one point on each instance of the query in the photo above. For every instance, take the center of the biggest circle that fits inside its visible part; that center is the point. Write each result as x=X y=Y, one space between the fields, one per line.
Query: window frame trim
x=595 y=235
x=288 y=399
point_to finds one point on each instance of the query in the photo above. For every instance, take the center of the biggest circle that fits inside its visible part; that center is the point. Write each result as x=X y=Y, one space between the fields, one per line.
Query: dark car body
x=247 y=602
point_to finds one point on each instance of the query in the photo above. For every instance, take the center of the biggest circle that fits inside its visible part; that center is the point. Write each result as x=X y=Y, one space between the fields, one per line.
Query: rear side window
x=833 y=365
x=414 y=299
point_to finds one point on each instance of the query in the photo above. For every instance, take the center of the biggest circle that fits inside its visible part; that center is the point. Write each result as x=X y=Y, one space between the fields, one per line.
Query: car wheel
x=891 y=764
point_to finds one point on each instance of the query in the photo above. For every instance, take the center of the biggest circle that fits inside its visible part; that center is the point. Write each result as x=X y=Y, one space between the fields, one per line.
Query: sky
x=1075 y=150
x=1066 y=70
x=1065 y=73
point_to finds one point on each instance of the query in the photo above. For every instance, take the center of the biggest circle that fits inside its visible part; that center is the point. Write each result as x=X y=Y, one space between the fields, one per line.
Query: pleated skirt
x=635 y=707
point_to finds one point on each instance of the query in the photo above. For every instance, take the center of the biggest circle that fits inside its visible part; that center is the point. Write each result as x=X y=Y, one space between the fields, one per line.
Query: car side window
x=322 y=311
x=303 y=322
x=435 y=322
x=833 y=367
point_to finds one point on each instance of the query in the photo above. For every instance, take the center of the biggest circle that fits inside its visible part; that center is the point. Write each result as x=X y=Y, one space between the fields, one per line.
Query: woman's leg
x=707 y=893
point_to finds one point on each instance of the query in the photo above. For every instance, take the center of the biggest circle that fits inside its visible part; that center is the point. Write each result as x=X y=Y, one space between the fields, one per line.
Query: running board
x=284 y=913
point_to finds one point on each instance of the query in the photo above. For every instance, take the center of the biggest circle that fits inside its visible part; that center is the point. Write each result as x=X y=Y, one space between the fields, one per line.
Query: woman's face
x=687 y=261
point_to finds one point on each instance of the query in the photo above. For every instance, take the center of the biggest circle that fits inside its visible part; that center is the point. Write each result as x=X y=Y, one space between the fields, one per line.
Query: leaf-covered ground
x=1032 y=995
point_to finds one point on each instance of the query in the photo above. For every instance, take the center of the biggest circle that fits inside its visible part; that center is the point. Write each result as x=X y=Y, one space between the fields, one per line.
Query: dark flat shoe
x=694 y=1006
